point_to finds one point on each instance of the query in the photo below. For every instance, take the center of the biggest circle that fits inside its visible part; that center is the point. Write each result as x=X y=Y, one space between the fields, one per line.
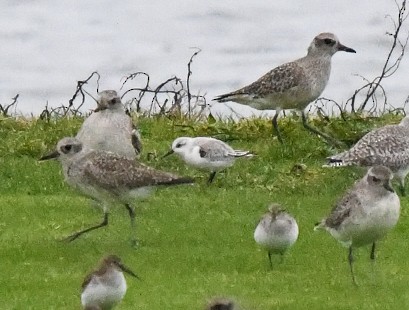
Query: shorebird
x=206 y=153
x=109 y=128
x=387 y=146
x=292 y=85
x=365 y=214
x=221 y=304
x=105 y=287
x=108 y=177
x=277 y=231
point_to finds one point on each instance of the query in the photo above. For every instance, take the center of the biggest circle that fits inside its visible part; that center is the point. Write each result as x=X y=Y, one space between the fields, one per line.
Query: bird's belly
x=275 y=243
x=104 y=296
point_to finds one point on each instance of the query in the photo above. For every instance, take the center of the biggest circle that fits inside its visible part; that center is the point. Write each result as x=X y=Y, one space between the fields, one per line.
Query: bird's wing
x=111 y=171
x=214 y=149
x=342 y=209
x=387 y=145
x=278 y=80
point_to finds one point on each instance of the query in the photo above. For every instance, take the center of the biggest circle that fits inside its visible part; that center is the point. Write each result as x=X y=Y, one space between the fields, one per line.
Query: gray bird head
x=108 y=99
x=113 y=261
x=66 y=147
x=221 y=304
x=380 y=177
x=327 y=43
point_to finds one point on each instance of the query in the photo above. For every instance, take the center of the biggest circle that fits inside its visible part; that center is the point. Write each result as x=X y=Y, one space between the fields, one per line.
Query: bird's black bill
x=129 y=271
x=168 y=153
x=52 y=155
x=346 y=49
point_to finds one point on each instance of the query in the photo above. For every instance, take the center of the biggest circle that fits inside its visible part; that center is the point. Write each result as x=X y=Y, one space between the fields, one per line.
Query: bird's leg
x=351 y=260
x=79 y=233
x=269 y=258
x=132 y=215
x=275 y=125
x=211 y=178
x=402 y=187
x=373 y=252
x=329 y=139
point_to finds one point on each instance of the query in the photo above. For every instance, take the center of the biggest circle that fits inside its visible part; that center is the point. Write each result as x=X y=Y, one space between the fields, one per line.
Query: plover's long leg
x=79 y=233
x=132 y=215
x=211 y=177
x=350 y=261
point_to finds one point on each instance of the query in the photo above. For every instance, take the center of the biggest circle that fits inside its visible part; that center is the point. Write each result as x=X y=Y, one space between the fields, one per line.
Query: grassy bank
x=196 y=241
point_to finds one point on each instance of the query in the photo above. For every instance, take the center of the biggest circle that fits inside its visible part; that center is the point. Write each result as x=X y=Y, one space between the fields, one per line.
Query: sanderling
x=277 y=231
x=108 y=177
x=105 y=287
x=206 y=153
x=109 y=128
x=292 y=85
x=387 y=146
x=366 y=213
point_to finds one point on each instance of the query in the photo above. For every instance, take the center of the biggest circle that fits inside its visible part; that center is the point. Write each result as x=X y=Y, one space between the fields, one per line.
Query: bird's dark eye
x=179 y=145
x=112 y=101
x=66 y=148
x=329 y=41
x=375 y=179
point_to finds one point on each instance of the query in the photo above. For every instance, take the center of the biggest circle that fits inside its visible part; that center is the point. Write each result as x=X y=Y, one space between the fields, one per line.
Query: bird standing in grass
x=108 y=178
x=365 y=214
x=292 y=85
x=221 y=304
x=206 y=153
x=277 y=231
x=387 y=146
x=109 y=128
x=106 y=286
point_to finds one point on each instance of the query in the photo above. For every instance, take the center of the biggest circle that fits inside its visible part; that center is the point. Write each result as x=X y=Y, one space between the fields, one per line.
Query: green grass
x=196 y=241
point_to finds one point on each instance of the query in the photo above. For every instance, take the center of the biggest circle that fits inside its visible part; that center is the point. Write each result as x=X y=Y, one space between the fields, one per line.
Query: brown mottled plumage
x=292 y=85
x=108 y=177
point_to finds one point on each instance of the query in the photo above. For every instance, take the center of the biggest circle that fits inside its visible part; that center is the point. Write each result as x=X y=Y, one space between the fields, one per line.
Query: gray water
x=47 y=45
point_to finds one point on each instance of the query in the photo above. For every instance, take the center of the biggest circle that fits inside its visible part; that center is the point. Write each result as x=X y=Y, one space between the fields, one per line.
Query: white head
x=181 y=146
x=108 y=99
x=327 y=43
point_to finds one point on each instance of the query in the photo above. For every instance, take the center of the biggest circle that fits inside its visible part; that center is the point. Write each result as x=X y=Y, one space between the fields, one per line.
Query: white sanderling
x=109 y=128
x=105 y=287
x=277 y=231
x=206 y=153
x=365 y=214
x=387 y=146
x=292 y=85
x=108 y=177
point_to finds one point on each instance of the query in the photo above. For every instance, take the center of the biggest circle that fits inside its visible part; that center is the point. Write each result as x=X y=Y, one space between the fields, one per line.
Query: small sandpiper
x=365 y=214
x=292 y=85
x=105 y=287
x=221 y=304
x=206 y=153
x=277 y=231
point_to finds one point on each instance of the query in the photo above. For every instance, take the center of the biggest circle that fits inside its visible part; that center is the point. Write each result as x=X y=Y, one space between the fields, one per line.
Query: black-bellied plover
x=387 y=146
x=108 y=177
x=109 y=128
x=292 y=85
x=206 y=153
x=277 y=231
x=365 y=214
x=221 y=304
x=105 y=287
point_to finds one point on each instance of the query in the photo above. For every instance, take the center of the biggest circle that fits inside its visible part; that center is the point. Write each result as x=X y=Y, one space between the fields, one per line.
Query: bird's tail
x=177 y=181
x=340 y=160
x=223 y=98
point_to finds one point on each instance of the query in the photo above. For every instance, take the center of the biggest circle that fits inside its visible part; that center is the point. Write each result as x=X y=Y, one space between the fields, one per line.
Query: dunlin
x=365 y=214
x=277 y=231
x=206 y=153
x=292 y=85
x=105 y=287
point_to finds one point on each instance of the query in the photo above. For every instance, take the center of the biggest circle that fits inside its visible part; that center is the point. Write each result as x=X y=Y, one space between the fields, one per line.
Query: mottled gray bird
x=276 y=232
x=221 y=304
x=365 y=214
x=206 y=153
x=108 y=177
x=109 y=128
x=292 y=85
x=105 y=287
x=387 y=146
